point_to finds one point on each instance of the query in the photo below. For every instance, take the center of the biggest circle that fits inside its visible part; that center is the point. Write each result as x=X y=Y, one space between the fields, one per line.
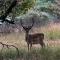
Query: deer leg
x=30 y=46
x=42 y=44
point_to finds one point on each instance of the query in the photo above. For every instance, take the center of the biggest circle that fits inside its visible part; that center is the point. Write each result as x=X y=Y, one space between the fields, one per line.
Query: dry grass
x=18 y=39
x=14 y=39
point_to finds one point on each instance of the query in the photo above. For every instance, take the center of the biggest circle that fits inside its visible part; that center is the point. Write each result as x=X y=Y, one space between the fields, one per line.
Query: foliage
x=25 y=6
x=50 y=6
x=21 y=7
x=39 y=19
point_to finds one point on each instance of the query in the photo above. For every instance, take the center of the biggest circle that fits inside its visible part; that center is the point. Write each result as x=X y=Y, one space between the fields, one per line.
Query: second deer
x=36 y=38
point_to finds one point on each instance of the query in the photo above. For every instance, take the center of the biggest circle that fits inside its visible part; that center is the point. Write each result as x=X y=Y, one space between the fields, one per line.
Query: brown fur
x=34 y=39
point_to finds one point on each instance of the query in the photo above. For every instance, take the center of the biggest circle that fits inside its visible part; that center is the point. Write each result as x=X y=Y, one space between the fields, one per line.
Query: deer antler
x=22 y=24
x=27 y=27
x=32 y=23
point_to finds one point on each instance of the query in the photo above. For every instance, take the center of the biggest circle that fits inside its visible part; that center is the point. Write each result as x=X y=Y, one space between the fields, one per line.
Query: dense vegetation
x=46 y=9
x=20 y=8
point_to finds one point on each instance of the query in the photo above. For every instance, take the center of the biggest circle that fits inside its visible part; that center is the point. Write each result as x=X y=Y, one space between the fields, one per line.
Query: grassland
x=50 y=52
x=34 y=54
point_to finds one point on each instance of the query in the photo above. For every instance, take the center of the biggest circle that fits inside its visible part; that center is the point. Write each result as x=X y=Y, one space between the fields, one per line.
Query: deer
x=36 y=38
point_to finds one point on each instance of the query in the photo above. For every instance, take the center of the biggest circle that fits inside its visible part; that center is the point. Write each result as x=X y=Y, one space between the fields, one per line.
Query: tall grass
x=35 y=54
x=17 y=39
x=53 y=34
x=52 y=31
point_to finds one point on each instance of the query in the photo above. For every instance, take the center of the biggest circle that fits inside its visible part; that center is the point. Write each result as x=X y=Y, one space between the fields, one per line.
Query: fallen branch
x=10 y=46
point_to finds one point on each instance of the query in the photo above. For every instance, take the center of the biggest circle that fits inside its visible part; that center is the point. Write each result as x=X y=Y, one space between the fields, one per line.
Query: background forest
x=44 y=12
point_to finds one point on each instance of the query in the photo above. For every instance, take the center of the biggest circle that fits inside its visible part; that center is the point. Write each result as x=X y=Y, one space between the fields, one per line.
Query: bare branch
x=10 y=46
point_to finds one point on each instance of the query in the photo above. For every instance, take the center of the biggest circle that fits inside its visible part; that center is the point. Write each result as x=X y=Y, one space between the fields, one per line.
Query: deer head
x=27 y=28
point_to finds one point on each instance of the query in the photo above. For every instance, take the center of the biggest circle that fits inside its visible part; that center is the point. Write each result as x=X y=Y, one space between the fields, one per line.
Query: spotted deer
x=36 y=38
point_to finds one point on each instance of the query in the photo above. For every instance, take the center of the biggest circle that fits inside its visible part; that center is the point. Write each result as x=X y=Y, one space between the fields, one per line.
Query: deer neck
x=26 y=36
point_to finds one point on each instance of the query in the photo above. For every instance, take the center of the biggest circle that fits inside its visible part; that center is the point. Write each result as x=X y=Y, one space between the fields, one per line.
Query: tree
x=49 y=6
x=22 y=7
